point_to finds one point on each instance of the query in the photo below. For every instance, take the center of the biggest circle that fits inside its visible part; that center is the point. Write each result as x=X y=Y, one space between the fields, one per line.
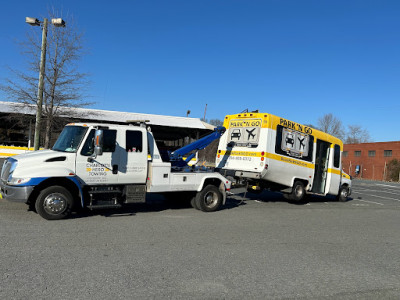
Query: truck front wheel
x=54 y=203
x=209 y=199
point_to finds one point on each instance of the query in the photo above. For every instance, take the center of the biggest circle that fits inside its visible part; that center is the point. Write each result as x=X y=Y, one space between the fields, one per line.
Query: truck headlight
x=17 y=181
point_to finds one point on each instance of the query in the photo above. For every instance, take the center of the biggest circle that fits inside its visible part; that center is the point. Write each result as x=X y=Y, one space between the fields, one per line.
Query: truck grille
x=5 y=171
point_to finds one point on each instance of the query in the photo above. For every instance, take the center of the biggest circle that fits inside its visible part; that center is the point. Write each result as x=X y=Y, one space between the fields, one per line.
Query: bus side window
x=336 y=157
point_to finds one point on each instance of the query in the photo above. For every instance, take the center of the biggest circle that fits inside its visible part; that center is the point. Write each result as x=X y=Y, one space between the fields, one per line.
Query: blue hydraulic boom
x=176 y=157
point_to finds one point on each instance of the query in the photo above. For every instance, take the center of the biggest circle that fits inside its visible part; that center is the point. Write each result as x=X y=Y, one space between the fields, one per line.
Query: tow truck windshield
x=70 y=139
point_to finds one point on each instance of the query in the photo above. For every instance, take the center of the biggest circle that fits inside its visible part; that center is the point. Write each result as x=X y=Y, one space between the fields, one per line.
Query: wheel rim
x=299 y=191
x=211 y=199
x=55 y=203
x=344 y=193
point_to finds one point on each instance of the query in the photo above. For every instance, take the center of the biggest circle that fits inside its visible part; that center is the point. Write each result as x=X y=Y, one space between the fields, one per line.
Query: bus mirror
x=98 y=142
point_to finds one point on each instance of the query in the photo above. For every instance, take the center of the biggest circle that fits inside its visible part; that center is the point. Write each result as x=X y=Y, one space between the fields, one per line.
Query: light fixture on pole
x=58 y=22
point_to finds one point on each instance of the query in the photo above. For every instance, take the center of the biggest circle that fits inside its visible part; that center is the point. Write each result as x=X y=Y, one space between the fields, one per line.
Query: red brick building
x=371 y=159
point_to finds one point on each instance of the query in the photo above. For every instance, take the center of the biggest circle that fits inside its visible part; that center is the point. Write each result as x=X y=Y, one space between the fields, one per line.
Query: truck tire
x=209 y=199
x=54 y=203
x=343 y=193
x=193 y=202
x=298 y=192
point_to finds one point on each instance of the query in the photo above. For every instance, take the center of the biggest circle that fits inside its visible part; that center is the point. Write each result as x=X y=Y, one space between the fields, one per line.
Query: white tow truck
x=106 y=166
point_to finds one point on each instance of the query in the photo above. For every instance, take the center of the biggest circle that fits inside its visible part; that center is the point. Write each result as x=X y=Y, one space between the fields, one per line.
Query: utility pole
x=205 y=110
x=58 y=22
x=41 y=84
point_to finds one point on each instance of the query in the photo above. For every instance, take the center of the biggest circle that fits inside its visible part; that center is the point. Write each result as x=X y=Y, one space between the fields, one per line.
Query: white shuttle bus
x=269 y=152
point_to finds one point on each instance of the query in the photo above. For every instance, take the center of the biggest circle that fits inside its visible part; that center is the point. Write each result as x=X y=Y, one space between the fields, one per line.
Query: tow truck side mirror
x=98 y=142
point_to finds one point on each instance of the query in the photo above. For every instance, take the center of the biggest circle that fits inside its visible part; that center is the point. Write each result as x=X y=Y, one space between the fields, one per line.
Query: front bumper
x=15 y=193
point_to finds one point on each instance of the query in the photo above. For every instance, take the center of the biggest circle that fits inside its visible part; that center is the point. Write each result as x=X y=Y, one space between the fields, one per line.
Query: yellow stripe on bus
x=334 y=171
x=240 y=153
x=285 y=159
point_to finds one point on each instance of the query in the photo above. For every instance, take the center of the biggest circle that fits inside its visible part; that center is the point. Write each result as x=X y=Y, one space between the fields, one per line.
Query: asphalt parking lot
x=257 y=247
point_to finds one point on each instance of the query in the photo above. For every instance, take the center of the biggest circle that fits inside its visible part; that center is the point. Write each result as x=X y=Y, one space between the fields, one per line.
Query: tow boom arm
x=176 y=157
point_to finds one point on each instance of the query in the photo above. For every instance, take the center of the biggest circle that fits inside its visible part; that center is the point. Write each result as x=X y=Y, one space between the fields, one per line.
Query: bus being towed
x=268 y=152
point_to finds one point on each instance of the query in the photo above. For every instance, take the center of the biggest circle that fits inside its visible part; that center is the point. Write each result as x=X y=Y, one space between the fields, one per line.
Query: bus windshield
x=70 y=138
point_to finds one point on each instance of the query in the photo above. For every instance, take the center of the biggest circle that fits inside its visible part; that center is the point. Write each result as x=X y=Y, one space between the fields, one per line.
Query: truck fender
x=215 y=180
x=38 y=180
x=78 y=185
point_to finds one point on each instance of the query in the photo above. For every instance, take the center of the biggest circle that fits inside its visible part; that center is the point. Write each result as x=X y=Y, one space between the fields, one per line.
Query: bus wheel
x=343 y=193
x=298 y=192
x=54 y=203
x=209 y=199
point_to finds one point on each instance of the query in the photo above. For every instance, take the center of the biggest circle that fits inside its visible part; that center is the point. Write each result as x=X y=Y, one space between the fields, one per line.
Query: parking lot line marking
x=382 y=197
x=370 y=202
x=378 y=191
x=391 y=186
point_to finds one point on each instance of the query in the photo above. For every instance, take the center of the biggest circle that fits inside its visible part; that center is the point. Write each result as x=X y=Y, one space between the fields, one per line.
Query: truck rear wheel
x=54 y=203
x=209 y=199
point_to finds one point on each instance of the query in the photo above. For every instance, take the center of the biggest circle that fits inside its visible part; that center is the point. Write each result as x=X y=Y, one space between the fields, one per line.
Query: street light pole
x=58 y=22
x=41 y=84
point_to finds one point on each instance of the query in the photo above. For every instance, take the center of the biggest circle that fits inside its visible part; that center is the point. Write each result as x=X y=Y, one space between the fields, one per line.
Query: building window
x=357 y=153
x=371 y=153
x=387 y=153
x=345 y=153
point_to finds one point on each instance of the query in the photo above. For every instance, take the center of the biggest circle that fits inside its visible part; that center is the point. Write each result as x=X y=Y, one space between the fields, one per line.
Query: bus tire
x=54 y=203
x=343 y=193
x=298 y=192
x=209 y=199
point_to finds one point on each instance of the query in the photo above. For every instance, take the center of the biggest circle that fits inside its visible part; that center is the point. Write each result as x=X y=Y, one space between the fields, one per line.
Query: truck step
x=105 y=192
x=104 y=206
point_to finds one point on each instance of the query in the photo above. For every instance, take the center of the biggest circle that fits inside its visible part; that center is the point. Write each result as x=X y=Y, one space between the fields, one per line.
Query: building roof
x=112 y=116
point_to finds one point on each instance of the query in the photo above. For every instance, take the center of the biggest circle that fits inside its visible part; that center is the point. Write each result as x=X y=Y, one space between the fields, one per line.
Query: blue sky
x=292 y=58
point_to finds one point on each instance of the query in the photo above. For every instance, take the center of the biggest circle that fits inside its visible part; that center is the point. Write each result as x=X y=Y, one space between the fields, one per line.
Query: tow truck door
x=104 y=168
x=133 y=162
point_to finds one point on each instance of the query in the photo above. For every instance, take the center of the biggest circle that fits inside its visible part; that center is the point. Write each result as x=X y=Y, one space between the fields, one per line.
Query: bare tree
x=216 y=122
x=331 y=125
x=356 y=134
x=393 y=170
x=64 y=84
